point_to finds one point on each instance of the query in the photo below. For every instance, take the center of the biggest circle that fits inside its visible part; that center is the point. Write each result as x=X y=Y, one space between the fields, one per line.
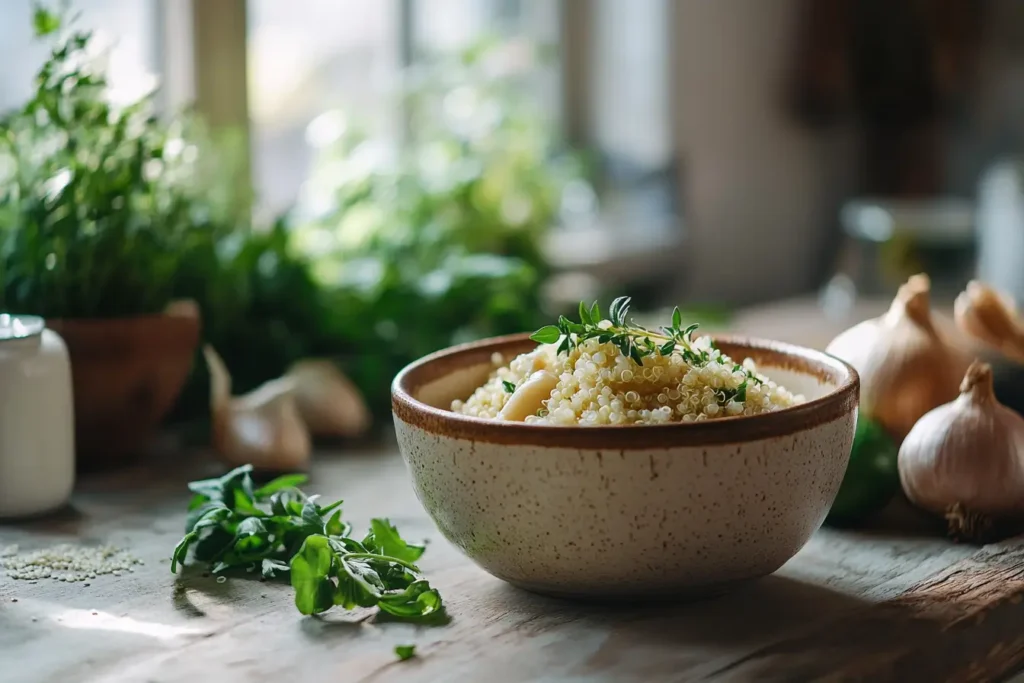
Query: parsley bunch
x=637 y=342
x=277 y=529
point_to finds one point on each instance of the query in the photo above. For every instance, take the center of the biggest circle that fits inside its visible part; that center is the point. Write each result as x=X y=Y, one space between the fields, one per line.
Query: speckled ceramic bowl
x=617 y=511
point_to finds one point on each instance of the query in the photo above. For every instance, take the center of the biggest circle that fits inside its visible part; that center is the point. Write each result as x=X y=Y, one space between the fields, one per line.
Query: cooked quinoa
x=594 y=384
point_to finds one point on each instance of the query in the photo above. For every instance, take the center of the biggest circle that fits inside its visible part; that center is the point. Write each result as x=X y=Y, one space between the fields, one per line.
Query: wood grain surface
x=893 y=603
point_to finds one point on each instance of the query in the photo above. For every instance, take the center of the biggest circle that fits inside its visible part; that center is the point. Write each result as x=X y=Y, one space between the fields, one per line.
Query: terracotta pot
x=127 y=374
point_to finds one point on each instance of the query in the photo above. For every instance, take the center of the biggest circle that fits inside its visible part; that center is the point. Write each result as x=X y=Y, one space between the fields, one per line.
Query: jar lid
x=20 y=326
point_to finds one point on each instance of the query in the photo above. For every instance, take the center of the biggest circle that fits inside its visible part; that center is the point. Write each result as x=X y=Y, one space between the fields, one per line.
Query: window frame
x=198 y=33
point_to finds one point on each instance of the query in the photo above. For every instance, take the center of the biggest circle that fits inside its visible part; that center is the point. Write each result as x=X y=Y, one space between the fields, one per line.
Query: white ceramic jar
x=37 y=449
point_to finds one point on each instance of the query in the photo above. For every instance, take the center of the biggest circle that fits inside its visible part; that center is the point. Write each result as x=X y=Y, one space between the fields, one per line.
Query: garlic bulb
x=328 y=401
x=907 y=366
x=990 y=317
x=262 y=428
x=965 y=459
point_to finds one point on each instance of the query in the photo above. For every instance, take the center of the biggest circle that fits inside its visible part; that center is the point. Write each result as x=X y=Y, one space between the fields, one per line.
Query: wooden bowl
x=126 y=374
x=681 y=509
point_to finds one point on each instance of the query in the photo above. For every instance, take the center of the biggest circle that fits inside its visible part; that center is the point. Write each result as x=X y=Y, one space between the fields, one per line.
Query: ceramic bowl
x=626 y=511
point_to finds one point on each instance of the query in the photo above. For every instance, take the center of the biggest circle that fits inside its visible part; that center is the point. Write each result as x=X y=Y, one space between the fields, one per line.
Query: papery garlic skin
x=990 y=316
x=262 y=428
x=328 y=401
x=906 y=365
x=967 y=452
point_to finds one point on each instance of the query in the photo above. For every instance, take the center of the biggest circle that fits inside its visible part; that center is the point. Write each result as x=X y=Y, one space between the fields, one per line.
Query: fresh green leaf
x=419 y=600
x=667 y=348
x=546 y=335
x=311 y=571
x=214 y=544
x=287 y=502
x=288 y=481
x=689 y=330
x=328 y=509
x=508 y=386
x=44 y=21
x=181 y=550
x=244 y=504
x=311 y=516
x=677 y=318
x=585 y=315
x=196 y=514
x=223 y=488
x=387 y=541
x=595 y=313
x=335 y=527
x=404 y=652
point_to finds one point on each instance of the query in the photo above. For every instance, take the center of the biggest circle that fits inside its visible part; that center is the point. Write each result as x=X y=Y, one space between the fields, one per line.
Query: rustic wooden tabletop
x=894 y=603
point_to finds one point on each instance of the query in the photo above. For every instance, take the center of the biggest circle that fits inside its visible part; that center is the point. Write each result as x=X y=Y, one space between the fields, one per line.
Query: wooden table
x=894 y=603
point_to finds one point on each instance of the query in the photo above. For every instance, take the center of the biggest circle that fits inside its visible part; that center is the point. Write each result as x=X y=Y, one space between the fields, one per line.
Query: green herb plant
x=278 y=530
x=100 y=202
x=636 y=342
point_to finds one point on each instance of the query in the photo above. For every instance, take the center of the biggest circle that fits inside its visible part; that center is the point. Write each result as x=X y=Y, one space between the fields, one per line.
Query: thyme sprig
x=637 y=342
x=633 y=341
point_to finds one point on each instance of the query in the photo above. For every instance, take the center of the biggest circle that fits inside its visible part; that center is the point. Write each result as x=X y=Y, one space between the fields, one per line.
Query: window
x=307 y=57
x=127 y=34
x=606 y=81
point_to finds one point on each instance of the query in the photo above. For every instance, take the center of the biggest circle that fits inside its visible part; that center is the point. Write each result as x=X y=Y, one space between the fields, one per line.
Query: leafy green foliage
x=262 y=310
x=444 y=236
x=276 y=529
x=100 y=203
x=404 y=652
x=636 y=342
x=872 y=476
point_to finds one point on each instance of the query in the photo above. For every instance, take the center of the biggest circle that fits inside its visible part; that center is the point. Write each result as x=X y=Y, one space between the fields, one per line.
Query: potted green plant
x=100 y=207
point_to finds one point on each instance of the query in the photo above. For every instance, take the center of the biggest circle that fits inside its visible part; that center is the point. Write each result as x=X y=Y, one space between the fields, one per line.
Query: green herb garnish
x=634 y=341
x=277 y=529
x=637 y=342
x=508 y=386
x=404 y=652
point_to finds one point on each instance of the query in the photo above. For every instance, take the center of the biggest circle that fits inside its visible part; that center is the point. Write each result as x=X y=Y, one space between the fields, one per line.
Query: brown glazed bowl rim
x=740 y=429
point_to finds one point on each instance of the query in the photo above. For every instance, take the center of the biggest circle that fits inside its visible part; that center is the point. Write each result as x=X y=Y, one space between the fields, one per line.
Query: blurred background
x=371 y=180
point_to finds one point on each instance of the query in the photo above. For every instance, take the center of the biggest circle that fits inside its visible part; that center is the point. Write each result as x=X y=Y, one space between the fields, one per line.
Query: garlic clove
x=906 y=363
x=328 y=401
x=262 y=428
x=529 y=397
x=965 y=459
x=991 y=317
x=183 y=308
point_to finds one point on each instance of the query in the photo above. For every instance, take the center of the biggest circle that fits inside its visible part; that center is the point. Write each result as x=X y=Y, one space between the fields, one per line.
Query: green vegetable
x=872 y=477
x=636 y=342
x=508 y=386
x=277 y=529
x=405 y=652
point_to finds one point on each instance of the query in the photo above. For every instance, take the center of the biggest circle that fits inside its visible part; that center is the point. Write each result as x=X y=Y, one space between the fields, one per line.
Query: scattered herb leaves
x=508 y=386
x=404 y=652
x=278 y=530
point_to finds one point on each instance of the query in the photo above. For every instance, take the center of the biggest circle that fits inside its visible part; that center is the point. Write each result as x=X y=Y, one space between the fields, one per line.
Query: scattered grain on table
x=66 y=562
